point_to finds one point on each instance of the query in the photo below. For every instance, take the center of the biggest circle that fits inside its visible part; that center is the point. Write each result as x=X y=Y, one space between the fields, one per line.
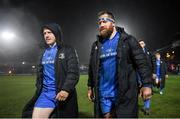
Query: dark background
x=156 y=21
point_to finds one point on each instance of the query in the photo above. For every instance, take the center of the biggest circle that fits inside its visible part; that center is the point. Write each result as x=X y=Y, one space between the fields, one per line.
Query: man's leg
x=107 y=107
x=147 y=107
x=161 y=88
x=107 y=115
x=42 y=112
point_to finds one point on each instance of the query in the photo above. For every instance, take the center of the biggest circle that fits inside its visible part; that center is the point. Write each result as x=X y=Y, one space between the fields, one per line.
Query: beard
x=106 y=32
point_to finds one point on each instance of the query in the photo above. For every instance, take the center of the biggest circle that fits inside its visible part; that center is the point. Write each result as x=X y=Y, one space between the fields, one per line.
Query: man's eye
x=104 y=21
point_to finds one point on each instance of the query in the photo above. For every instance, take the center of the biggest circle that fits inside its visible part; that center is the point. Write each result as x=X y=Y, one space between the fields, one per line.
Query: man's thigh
x=42 y=112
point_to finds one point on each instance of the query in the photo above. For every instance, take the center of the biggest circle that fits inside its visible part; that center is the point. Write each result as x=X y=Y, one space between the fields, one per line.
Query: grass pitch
x=15 y=91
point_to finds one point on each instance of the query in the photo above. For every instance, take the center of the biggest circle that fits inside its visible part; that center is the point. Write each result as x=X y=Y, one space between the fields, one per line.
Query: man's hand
x=90 y=94
x=154 y=76
x=166 y=76
x=62 y=95
x=146 y=92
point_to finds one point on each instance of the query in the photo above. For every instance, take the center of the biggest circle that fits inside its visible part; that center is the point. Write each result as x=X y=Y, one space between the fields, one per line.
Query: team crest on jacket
x=61 y=56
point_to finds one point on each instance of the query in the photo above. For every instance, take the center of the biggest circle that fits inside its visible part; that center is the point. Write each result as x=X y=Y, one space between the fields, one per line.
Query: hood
x=56 y=30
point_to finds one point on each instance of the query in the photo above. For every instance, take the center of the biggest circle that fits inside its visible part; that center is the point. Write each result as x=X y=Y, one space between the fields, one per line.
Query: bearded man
x=115 y=57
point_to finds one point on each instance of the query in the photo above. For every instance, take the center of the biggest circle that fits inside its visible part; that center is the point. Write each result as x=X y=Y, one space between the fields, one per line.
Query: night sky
x=156 y=21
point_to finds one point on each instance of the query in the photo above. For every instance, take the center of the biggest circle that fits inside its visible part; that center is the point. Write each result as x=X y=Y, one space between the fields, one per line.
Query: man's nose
x=46 y=35
x=101 y=24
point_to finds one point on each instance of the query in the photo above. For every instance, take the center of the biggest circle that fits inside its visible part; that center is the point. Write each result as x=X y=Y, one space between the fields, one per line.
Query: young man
x=58 y=74
x=146 y=108
x=160 y=72
x=112 y=81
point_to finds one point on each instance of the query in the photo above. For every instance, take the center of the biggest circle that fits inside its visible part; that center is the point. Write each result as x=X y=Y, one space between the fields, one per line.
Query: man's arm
x=72 y=74
x=72 y=77
x=166 y=69
x=141 y=62
x=90 y=83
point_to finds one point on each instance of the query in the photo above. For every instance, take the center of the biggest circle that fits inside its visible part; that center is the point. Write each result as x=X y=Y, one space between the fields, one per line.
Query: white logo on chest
x=61 y=56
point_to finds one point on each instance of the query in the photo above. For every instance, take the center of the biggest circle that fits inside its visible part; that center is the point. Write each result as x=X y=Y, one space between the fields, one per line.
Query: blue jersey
x=108 y=83
x=158 y=64
x=48 y=61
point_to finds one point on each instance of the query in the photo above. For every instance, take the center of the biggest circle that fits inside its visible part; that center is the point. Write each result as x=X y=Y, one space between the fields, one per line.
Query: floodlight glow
x=10 y=72
x=125 y=26
x=33 y=67
x=7 y=35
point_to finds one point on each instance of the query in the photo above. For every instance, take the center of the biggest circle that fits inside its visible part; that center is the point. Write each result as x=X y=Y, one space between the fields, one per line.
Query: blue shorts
x=106 y=104
x=159 y=77
x=46 y=99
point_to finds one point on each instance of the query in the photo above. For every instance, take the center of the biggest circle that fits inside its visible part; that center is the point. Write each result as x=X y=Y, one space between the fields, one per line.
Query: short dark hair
x=110 y=15
x=157 y=53
x=141 y=39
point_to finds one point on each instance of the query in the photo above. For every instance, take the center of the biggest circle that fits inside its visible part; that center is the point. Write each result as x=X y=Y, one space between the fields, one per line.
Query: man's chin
x=49 y=43
x=105 y=34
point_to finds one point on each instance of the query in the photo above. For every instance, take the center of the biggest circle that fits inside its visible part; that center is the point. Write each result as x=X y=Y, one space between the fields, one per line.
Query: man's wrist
x=89 y=88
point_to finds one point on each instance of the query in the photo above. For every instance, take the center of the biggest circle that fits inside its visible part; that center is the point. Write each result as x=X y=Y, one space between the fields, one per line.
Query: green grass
x=15 y=91
x=168 y=104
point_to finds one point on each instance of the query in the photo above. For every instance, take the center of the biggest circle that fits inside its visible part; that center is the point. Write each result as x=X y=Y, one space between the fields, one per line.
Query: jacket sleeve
x=154 y=65
x=39 y=76
x=72 y=77
x=90 y=71
x=165 y=67
x=151 y=60
x=39 y=71
x=140 y=61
